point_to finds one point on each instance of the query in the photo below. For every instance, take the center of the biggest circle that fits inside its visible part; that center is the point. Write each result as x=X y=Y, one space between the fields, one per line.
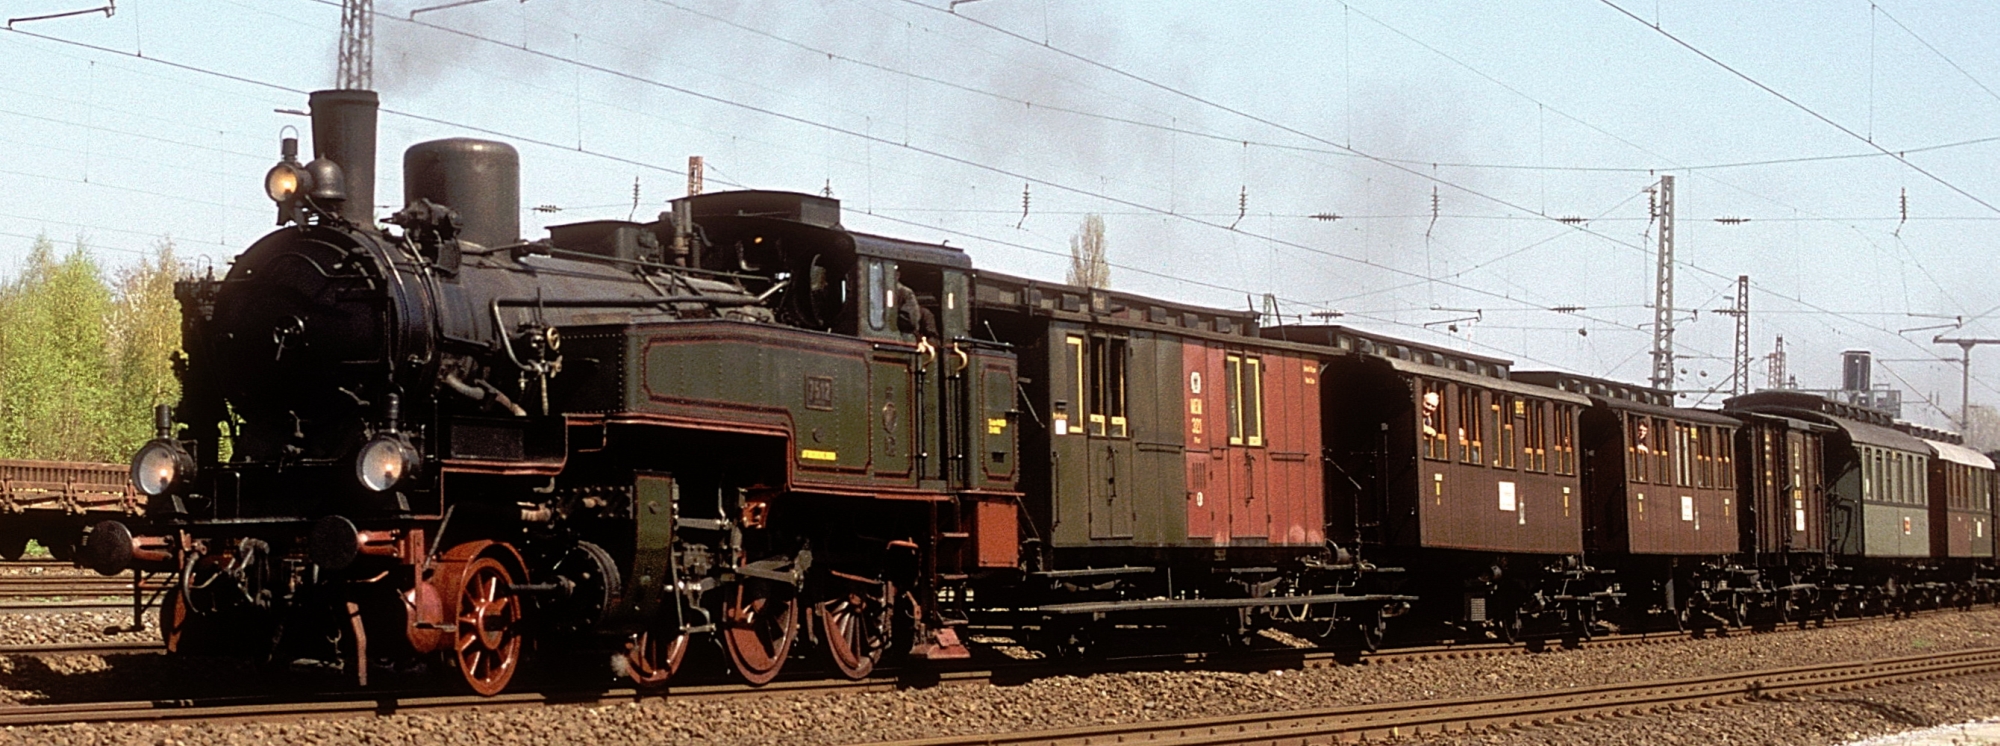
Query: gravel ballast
x=1068 y=701
x=1811 y=720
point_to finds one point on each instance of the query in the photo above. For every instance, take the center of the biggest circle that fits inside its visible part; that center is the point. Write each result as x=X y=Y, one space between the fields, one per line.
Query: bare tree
x=1088 y=262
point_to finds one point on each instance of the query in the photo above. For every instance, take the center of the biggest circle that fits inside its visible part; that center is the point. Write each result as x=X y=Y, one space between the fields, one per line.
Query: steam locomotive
x=743 y=424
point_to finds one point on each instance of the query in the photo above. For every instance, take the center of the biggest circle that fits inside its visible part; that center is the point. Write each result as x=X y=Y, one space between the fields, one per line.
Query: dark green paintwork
x=1130 y=490
x=744 y=376
x=654 y=498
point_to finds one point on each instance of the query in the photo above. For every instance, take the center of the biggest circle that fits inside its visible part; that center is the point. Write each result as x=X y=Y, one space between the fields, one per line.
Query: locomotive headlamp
x=282 y=182
x=287 y=179
x=160 y=466
x=384 y=461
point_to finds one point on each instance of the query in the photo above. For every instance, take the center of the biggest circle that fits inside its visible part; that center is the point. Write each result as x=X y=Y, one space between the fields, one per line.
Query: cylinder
x=343 y=125
x=480 y=179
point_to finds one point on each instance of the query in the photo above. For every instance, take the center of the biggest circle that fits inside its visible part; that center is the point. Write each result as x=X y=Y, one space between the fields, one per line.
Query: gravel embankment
x=1066 y=701
x=47 y=627
x=1812 y=720
x=29 y=570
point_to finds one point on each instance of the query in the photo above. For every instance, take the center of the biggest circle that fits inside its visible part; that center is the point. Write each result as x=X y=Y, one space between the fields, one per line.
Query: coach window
x=1985 y=482
x=1565 y=439
x=1107 y=387
x=1504 y=411
x=1895 y=461
x=1077 y=348
x=1430 y=421
x=1535 y=435
x=1639 y=443
x=1704 y=462
x=1977 y=485
x=1871 y=473
x=1910 y=490
x=1684 y=447
x=1867 y=474
x=1471 y=449
x=1663 y=451
x=1725 y=458
x=1244 y=379
x=1881 y=480
x=1896 y=478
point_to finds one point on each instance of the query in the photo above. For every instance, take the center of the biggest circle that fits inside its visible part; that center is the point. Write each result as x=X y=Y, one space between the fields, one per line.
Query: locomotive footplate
x=1154 y=604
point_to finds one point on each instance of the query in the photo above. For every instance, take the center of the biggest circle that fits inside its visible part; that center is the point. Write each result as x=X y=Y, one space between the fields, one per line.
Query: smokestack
x=1855 y=366
x=343 y=125
x=479 y=179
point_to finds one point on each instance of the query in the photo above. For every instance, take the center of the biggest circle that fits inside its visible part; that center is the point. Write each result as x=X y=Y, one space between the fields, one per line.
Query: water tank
x=480 y=179
x=1854 y=369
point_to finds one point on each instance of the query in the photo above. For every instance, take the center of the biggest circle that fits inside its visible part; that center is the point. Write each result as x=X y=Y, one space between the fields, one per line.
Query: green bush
x=82 y=359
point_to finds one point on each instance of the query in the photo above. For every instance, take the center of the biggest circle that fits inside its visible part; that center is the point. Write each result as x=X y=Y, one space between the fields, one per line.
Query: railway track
x=1522 y=708
x=1371 y=721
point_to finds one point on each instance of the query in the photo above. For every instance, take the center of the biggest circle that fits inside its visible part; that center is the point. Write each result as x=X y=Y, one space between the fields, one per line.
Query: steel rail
x=1520 y=708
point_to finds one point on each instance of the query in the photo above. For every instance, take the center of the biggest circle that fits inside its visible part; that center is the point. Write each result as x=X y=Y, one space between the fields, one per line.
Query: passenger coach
x=1877 y=487
x=1439 y=463
x=1660 y=503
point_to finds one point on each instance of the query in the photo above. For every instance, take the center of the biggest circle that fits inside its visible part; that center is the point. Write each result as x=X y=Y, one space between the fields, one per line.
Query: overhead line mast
x=357 y=45
x=1965 y=374
x=1739 y=378
x=1663 y=288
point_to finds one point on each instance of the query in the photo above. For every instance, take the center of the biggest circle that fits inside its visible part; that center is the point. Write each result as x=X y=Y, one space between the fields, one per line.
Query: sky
x=1462 y=173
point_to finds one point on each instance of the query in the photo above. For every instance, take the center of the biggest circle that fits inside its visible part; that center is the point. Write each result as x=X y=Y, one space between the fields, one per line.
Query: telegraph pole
x=1741 y=310
x=1663 y=288
x=1965 y=374
x=357 y=45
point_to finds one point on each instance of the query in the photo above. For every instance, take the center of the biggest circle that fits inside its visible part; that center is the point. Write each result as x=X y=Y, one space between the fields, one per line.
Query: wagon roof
x=1877 y=435
x=1790 y=423
x=1411 y=368
x=1679 y=413
x=1808 y=406
x=1958 y=454
x=868 y=244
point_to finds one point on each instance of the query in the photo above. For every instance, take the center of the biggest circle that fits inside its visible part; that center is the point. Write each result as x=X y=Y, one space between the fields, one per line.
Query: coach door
x=1097 y=365
x=1243 y=395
